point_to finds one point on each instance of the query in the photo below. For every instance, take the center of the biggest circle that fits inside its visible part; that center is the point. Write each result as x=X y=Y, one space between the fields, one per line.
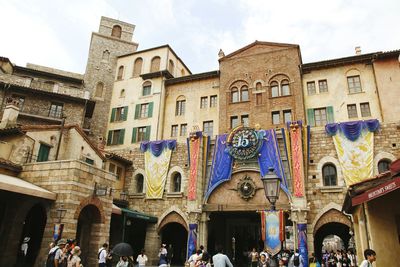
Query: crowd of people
x=341 y=258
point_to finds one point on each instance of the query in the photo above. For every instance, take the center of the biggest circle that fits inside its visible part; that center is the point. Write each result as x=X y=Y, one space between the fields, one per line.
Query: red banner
x=297 y=160
x=194 y=149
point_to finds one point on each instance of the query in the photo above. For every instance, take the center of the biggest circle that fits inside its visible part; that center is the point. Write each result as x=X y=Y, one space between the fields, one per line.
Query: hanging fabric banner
x=194 y=151
x=221 y=168
x=295 y=129
x=302 y=243
x=354 y=143
x=192 y=240
x=273 y=231
x=269 y=156
x=157 y=156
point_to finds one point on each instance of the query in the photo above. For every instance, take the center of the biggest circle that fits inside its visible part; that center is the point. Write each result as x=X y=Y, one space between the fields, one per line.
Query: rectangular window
x=141 y=134
x=208 y=127
x=276 y=117
x=44 y=151
x=323 y=86
x=235 y=96
x=311 y=88
x=234 y=121
x=56 y=110
x=320 y=116
x=354 y=84
x=352 y=111
x=245 y=120
x=213 y=101
x=180 y=107
x=146 y=89
x=119 y=114
x=89 y=161
x=119 y=172
x=365 y=110
x=183 y=130
x=258 y=99
x=174 y=130
x=203 y=102
x=111 y=167
x=116 y=137
x=144 y=110
x=287 y=116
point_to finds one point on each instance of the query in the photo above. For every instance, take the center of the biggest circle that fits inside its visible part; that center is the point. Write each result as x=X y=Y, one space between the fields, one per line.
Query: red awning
x=376 y=192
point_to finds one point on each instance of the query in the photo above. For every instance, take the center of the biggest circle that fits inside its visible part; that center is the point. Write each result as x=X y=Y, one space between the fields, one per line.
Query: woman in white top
x=74 y=260
x=141 y=259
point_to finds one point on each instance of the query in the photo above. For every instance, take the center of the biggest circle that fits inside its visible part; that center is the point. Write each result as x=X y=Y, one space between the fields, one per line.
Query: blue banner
x=272 y=232
x=192 y=240
x=303 y=250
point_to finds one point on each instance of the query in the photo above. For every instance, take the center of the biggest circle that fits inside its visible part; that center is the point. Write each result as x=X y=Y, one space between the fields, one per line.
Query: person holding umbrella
x=124 y=250
x=123 y=262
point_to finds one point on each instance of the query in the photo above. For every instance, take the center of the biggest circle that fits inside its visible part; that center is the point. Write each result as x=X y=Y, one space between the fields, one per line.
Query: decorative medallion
x=243 y=143
x=246 y=188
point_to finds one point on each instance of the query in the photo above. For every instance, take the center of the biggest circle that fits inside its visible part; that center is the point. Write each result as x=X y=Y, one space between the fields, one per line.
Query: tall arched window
x=171 y=67
x=329 y=174
x=285 y=87
x=176 y=182
x=99 y=89
x=258 y=86
x=274 y=89
x=146 y=88
x=106 y=55
x=180 y=106
x=383 y=165
x=116 y=31
x=120 y=72
x=122 y=94
x=137 y=67
x=234 y=95
x=155 y=64
x=244 y=93
x=139 y=183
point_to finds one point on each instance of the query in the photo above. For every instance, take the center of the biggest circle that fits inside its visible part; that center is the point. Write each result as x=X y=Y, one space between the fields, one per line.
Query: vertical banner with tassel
x=194 y=152
x=273 y=230
x=297 y=158
x=303 y=250
x=192 y=240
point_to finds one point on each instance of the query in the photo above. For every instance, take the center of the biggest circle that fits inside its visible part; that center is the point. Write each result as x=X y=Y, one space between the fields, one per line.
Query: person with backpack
x=297 y=259
x=74 y=260
x=102 y=255
x=56 y=257
x=370 y=257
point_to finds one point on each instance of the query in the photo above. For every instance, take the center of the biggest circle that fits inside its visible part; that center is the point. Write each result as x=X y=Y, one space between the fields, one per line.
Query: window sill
x=174 y=194
x=142 y=118
x=280 y=96
x=238 y=102
x=145 y=96
x=331 y=189
x=355 y=93
x=137 y=195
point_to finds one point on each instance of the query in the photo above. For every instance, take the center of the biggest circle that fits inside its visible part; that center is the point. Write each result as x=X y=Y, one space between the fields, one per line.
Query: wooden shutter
x=137 y=111
x=113 y=114
x=109 y=138
x=43 y=154
x=147 y=135
x=121 y=136
x=150 y=110
x=125 y=113
x=310 y=117
x=134 y=135
x=329 y=112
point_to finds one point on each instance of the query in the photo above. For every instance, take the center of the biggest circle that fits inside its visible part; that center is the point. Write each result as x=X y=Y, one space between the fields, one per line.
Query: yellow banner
x=156 y=172
x=355 y=157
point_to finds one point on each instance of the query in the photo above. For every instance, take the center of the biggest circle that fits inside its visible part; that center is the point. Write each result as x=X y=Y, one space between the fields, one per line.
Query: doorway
x=175 y=234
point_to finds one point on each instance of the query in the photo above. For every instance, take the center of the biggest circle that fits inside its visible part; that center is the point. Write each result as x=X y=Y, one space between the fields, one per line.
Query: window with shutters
x=311 y=88
x=203 y=102
x=365 y=110
x=99 y=89
x=141 y=134
x=234 y=121
x=44 y=151
x=143 y=111
x=180 y=106
x=116 y=137
x=56 y=110
x=119 y=114
x=120 y=72
x=320 y=117
x=183 y=129
x=323 y=86
x=329 y=174
x=174 y=130
x=352 y=111
x=208 y=127
x=116 y=31
x=287 y=116
x=213 y=101
x=354 y=84
x=146 y=88
x=155 y=64
x=137 y=67
x=276 y=117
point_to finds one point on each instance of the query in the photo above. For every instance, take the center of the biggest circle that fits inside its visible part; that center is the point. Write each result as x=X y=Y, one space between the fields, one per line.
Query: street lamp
x=61 y=213
x=271 y=184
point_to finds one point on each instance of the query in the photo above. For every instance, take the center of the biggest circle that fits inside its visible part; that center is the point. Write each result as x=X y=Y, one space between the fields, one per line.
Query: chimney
x=10 y=113
x=358 y=50
x=221 y=53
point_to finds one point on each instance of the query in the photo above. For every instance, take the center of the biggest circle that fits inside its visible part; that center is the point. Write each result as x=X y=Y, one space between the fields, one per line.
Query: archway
x=332 y=223
x=89 y=221
x=34 y=224
x=175 y=234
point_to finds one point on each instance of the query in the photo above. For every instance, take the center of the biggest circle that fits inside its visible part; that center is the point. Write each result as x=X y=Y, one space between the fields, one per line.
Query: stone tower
x=113 y=39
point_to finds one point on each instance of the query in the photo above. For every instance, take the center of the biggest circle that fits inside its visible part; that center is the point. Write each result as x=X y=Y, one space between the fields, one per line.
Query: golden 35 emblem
x=243 y=143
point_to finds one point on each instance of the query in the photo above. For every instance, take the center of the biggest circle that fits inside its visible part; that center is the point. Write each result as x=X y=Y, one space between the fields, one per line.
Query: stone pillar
x=299 y=219
x=152 y=244
x=203 y=229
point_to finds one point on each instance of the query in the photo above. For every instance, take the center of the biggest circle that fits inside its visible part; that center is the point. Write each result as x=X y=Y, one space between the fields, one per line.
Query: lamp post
x=61 y=213
x=271 y=184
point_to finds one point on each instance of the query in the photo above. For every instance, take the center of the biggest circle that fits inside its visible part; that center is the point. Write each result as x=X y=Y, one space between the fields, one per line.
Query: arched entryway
x=175 y=234
x=34 y=224
x=332 y=225
x=89 y=221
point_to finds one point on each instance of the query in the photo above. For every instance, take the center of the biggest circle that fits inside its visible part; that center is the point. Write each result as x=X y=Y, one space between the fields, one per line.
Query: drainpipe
x=60 y=137
x=366 y=226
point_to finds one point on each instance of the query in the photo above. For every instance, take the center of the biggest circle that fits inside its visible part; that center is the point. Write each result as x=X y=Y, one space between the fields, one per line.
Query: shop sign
x=243 y=143
x=377 y=192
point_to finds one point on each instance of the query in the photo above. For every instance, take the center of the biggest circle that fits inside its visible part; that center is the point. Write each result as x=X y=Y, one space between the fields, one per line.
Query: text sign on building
x=377 y=192
x=243 y=143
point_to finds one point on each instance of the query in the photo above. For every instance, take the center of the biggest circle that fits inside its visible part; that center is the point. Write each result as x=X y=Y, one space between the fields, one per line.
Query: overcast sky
x=56 y=33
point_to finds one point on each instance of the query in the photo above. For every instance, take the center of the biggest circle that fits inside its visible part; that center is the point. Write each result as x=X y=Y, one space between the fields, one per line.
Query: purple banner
x=192 y=240
x=303 y=250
